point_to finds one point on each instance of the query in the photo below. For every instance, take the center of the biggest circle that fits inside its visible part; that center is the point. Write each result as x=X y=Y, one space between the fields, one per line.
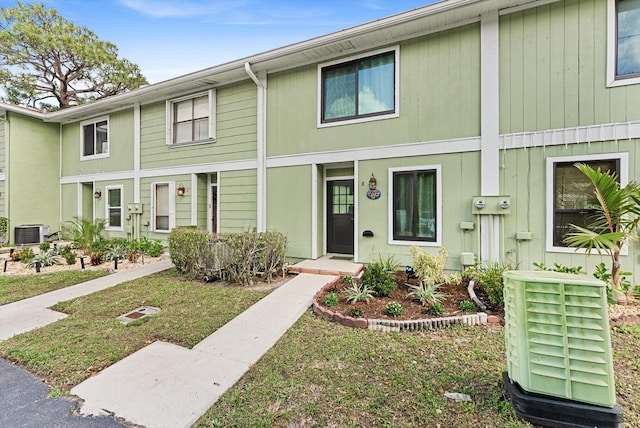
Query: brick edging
x=393 y=325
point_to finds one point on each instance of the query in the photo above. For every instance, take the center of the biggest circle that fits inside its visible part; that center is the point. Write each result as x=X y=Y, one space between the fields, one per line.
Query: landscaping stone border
x=393 y=325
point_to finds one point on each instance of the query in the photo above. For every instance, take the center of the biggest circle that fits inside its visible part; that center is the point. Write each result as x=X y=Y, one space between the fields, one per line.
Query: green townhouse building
x=455 y=125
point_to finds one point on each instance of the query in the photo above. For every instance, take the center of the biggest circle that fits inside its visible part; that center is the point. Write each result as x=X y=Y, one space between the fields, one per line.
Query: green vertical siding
x=120 y=147
x=238 y=201
x=553 y=69
x=235 y=131
x=3 y=166
x=289 y=207
x=69 y=206
x=439 y=99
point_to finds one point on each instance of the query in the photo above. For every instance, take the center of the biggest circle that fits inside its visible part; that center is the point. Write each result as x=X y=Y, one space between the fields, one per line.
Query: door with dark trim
x=340 y=204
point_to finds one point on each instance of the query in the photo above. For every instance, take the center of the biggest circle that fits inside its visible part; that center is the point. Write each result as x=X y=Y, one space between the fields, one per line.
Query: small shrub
x=4 y=230
x=331 y=300
x=27 y=254
x=116 y=250
x=70 y=257
x=16 y=255
x=426 y=294
x=436 y=308
x=389 y=264
x=429 y=268
x=467 y=306
x=85 y=233
x=44 y=246
x=360 y=293
x=347 y=279
x=558 y=267
x=45 y=259
x=150 y=248
x=96 y=258
x=491 y=280
x=394 y=309
x=356 y=310
x=381 y=282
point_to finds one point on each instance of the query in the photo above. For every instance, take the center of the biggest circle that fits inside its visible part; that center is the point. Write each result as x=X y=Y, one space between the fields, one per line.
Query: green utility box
x=557 y=336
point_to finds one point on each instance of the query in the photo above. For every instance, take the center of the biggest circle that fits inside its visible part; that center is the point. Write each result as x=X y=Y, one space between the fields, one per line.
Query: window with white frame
x=191 y=119
x=95 y=138
x=570 y=194
x=162 y=211
x=415 y=205
x=364 y=88
x=114 y=207
x=624 y=42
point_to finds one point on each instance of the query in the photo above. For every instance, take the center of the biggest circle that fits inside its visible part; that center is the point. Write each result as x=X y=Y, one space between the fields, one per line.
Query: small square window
x=360 y=89
x=192 y=119
x=95 y=138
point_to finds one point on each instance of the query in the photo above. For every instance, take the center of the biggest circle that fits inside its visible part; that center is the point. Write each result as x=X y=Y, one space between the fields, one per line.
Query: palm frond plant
x=427 y=294
x=614 y=222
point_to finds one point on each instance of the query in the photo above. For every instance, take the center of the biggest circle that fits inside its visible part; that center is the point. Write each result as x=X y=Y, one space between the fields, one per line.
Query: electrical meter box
x=557 y=336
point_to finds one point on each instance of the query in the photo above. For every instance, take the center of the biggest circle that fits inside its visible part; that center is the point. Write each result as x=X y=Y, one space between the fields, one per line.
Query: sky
x=170 y=38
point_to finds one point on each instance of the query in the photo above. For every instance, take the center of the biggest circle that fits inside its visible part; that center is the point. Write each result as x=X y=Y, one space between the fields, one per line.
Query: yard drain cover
x=141 y=312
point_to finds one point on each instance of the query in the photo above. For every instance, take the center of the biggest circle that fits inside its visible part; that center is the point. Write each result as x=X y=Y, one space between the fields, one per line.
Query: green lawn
x=18 y=287
x=90 y=339
x=324 y=374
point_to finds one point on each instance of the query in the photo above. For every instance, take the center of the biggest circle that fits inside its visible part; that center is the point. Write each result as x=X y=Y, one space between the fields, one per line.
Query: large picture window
x=95 y=138
x=570 y=194
x=191 y=119
x=415 y=205
x=365 y=87
x=114 y=207
x=627 y=38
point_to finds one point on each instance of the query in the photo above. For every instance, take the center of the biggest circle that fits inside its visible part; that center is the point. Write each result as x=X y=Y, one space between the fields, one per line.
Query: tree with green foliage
x=50 y=63
x=616 y=218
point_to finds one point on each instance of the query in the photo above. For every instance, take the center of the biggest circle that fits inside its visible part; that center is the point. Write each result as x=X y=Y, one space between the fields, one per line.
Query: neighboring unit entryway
x=340 y=220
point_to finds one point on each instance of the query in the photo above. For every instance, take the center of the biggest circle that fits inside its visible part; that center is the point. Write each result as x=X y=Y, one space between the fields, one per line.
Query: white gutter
x=261 y=149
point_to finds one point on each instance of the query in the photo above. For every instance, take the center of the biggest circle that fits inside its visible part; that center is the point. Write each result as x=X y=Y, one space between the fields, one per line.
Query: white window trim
x=100 y=155
x=172 y=206
x=624 y=180
x=211 y=93
x=439 y=219
x=107 y=206
x=611 y=49
x=396 y=113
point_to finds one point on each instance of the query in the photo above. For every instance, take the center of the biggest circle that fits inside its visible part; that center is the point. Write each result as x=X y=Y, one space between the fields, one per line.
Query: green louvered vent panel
x=557 y=336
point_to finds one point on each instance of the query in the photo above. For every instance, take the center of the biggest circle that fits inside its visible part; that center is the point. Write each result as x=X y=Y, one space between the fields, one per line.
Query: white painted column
x=489 y=130
x=136 y=153
x=314 y=211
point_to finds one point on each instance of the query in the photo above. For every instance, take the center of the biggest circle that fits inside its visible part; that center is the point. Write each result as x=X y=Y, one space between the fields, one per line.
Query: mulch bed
x=412 y=309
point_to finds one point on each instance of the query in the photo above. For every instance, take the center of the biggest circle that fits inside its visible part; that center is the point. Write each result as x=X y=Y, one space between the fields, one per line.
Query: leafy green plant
x=347 y=279
x=492 y=282
x=436 y=308
x=559 y=267
x=356 y=310
x=389 y=263
x=116 y=250
x=27 y=254
x=86 y=232
x=45 y=259
x=359 y=293
x=379 y=280
x=153 y=248
x=429 y=268
x=467 y=306
x=69 y=257
x=615 y=221
x=603 y=274
x=331 y=300
x=394 y=309
x=4 y=230
x=44 y=246
x=427 y=294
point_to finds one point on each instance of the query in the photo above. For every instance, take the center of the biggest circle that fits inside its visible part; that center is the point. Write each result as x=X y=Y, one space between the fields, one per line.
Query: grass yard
x=90 y=339
x=325 y=374
x=19 y=287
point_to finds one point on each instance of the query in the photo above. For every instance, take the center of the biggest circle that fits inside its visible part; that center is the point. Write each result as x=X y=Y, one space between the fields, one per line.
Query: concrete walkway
x=165 y=385
x=28 y=314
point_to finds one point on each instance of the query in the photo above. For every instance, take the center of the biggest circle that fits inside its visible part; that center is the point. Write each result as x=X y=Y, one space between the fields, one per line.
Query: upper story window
x=415 y=205
x=95 y=138
x=365 y=88
x=572 y=193
x=624 y=42
x=191 y=119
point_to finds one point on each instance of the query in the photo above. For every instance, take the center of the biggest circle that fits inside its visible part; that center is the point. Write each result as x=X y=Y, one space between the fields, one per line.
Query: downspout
x=261 y=148
x=7 y=140
x=60 y=179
